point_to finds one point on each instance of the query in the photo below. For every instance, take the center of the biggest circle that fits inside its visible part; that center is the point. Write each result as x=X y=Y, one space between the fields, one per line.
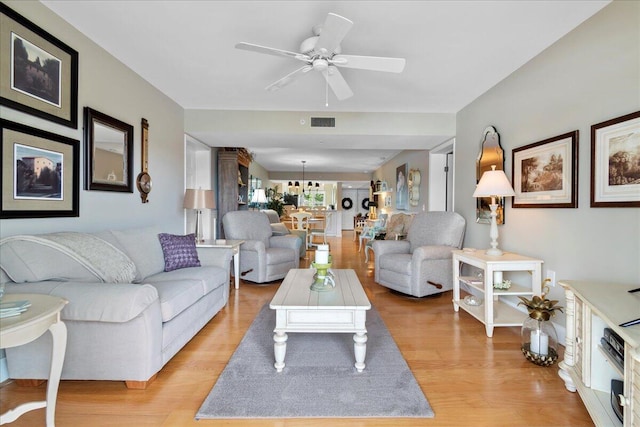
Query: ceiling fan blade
x=289 y=78
x=271 y=51
x=338 y=84
x=333 y=31
x=374 y=63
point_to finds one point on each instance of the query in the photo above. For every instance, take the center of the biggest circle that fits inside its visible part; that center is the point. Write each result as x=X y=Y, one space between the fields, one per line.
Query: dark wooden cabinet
x=233 y=177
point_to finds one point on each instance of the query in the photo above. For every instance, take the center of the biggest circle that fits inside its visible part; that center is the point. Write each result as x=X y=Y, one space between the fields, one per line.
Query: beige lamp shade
x=259 y=196
x=494 y=184
x=198 y=199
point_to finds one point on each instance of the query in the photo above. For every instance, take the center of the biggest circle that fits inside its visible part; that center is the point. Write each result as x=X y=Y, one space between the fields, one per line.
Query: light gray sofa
x=125 y=320
x=422 y=264
x=263 y=256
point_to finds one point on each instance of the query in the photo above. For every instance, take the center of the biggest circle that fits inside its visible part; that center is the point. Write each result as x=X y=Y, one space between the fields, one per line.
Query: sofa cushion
x=177 y=296
x=25 y=261
x=143 y=247
x=94 y=302
x=210 y=277
x=179 y=251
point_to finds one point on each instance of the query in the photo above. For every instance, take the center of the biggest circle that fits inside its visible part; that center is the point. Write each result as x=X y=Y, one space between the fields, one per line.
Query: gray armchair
x=420 y=265
x=263 y=257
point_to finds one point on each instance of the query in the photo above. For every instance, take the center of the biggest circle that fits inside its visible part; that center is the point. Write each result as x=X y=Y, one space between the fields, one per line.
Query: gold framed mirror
x=491 y=153
x=109 y=153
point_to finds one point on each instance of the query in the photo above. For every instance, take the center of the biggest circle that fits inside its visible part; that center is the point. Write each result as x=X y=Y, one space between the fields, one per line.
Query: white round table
x=43 y=315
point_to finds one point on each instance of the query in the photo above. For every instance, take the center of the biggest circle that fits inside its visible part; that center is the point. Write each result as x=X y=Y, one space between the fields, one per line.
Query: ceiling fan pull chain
x=326 y=93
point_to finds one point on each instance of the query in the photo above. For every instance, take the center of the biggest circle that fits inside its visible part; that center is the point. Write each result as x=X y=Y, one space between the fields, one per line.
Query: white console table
x=42 y=316
x=587 y=368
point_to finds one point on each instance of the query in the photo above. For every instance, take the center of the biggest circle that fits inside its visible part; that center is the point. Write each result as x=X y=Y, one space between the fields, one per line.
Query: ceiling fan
x=322 y=53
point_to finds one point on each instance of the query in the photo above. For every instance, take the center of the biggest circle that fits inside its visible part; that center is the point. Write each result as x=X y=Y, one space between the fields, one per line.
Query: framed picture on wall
x=402 y=187
x=615 y=162
x=42 y=77
x=40 y=173
x=545 y=173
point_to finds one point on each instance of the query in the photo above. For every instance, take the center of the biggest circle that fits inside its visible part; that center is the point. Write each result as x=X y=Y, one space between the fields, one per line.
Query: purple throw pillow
x=179 y=251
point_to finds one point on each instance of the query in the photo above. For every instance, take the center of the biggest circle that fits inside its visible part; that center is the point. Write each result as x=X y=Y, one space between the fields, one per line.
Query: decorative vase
x=538 y=335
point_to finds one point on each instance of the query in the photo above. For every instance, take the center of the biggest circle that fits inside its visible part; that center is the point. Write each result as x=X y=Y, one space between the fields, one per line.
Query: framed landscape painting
x=42 y=77
x=615 y=162
x=545 y=173
x=40 y=173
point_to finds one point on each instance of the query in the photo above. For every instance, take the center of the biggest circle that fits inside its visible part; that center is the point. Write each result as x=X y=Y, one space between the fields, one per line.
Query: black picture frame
x=53 y=95
x=40 y=173
x=108 y=153
x=615 y=172
x=545 y=173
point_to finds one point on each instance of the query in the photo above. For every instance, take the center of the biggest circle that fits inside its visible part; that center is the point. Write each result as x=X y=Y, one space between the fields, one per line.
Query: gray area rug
x=319 y=379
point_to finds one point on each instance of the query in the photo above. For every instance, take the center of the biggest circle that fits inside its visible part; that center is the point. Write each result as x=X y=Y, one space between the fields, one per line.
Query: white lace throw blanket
x=108 y=263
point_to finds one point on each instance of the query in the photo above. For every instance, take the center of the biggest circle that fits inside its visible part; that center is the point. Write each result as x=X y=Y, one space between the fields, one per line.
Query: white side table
x=42 y=316
x=234 y=245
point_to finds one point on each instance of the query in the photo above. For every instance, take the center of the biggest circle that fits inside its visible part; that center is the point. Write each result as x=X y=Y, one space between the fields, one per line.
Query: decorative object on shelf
x=109 y=153
x=539 y=337
x=491 y=154
x=545 y=173
x=414 y=187
x=493 y=184
x=323 y=279
x=615 y=145
x=198 y=199
x=505 y=284
x=402 y=189
x=347 y=203
x=51 y=189
x=53 y=93
x=143 y=181
x=473 y=300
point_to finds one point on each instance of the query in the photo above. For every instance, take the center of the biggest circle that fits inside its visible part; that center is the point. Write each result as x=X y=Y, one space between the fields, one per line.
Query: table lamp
x=494 y=184
x=198 y=199
x=259 y=197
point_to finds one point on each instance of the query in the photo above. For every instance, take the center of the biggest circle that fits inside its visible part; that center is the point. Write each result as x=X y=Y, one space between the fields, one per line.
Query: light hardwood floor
x=469 y=379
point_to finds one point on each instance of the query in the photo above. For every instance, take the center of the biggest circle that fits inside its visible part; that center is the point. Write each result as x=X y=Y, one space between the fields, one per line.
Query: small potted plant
x=539 y=337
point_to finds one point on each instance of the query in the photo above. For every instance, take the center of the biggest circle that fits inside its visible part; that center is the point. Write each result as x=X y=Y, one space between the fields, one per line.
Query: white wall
x=589 y=76
x=110 y=87
x=415 y=159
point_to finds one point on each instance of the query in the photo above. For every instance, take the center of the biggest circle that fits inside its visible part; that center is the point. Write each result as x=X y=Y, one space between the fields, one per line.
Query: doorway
x=441 y=177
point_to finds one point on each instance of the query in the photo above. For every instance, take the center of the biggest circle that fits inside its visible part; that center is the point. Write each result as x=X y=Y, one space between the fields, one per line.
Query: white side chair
x=300 y=223
x=321 y=229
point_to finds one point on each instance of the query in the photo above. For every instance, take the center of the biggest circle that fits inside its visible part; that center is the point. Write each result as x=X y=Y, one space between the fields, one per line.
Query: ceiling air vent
x=323 y=122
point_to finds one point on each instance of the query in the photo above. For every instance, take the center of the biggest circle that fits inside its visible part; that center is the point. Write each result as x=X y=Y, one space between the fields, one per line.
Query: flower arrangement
x=505 y=284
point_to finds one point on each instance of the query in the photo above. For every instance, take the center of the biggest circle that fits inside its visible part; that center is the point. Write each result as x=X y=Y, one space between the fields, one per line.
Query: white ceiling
x=454 y=50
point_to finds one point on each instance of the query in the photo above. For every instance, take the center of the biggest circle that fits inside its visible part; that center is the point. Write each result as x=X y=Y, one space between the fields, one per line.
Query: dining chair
x=318 y=228
x=300 y=223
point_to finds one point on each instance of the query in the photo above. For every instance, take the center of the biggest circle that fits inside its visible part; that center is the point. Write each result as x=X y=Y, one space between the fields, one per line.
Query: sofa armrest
x=95 y=302
x=215 y=257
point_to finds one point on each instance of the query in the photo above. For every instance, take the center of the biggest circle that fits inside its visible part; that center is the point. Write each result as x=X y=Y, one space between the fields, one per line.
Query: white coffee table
x=341 y=310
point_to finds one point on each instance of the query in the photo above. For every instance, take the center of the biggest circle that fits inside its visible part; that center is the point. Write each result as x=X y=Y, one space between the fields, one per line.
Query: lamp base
x=494 y=252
